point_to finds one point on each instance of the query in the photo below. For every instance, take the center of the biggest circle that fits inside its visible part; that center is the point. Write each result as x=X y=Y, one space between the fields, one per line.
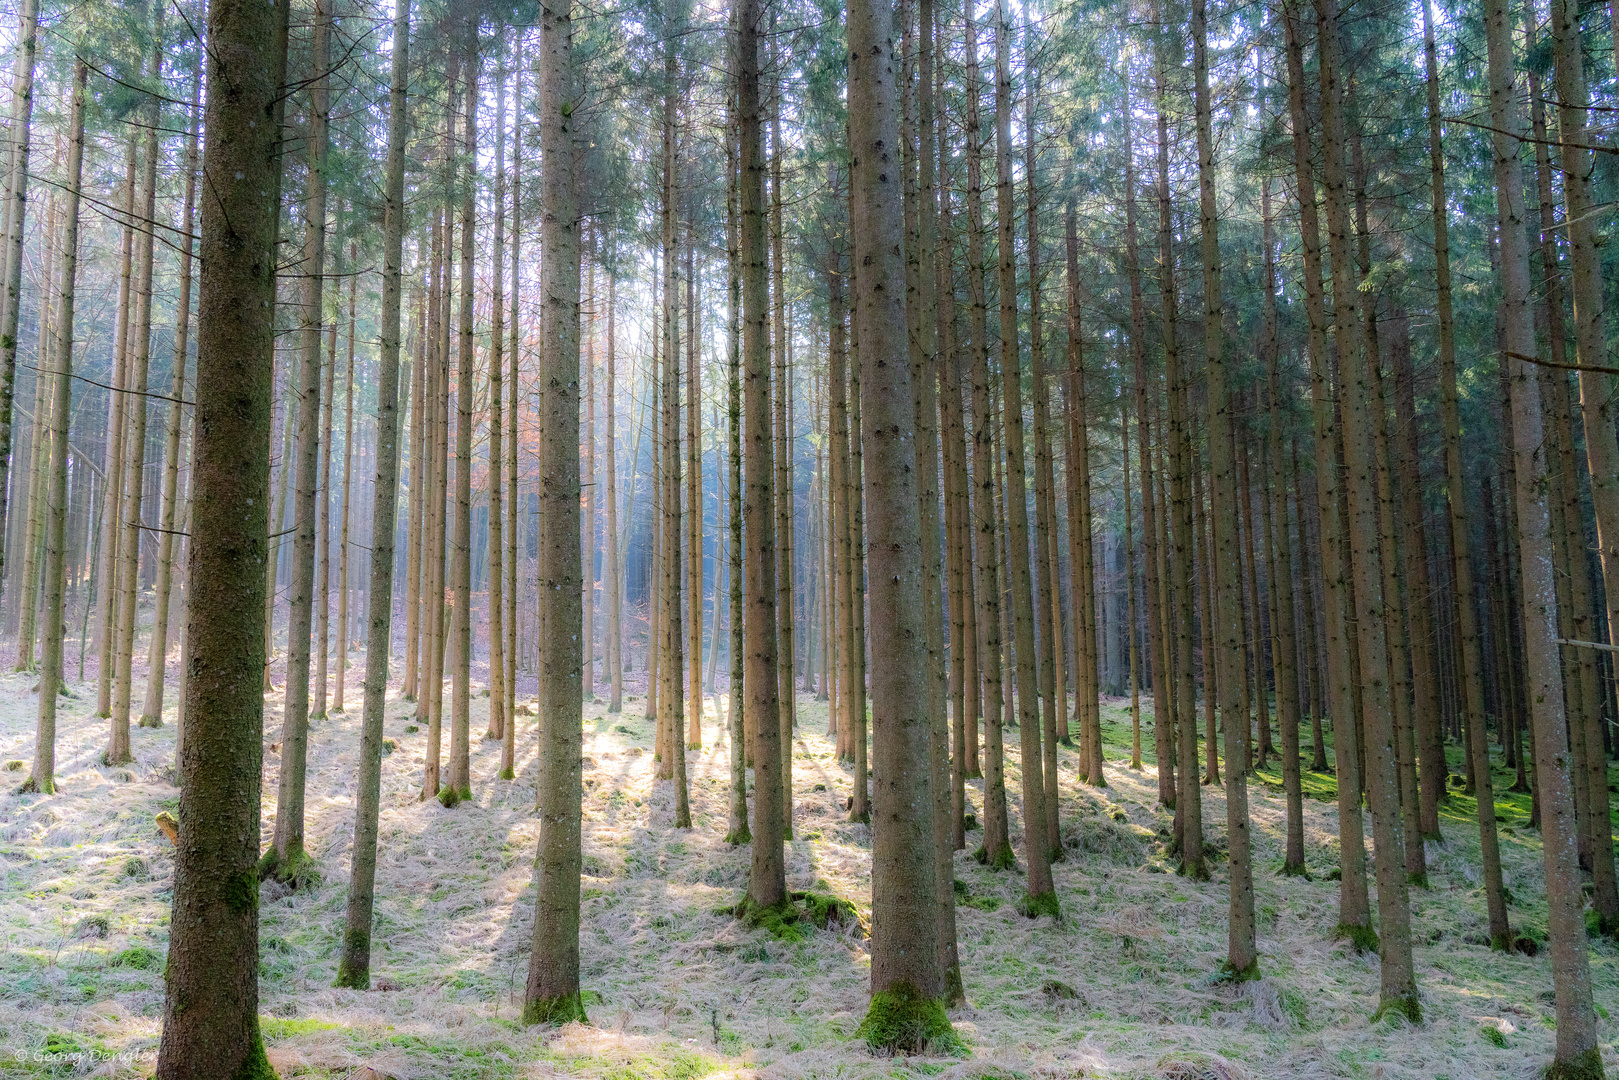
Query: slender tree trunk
x=113 y=474
x=552 y=995
x=767 y=884
x=1189 y=799
x=354 y=967
x=210 y=1012
x=519 y=517
x=1354 y=908
x=351 y=446
x=460 y=778
x=1356 y=358
x=323 y=512
x=11 y=231
x=785 y=447
x=157 y=653
x=1242 y=957
x=42 y=778
x=738 y=832
x=498 y=718
x=286 y=859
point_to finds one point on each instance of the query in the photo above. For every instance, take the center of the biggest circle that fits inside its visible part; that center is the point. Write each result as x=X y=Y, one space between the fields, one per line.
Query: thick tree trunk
x=552 y=994
x=210 y=1012
x=907 y=982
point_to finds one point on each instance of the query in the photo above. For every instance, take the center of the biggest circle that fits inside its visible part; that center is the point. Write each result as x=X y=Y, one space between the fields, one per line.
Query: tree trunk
x=11 y=231
x=286 y=859
x=157 y=653
x=1354 y=908
x=351 y=446
x=497 y=481
x=210 y=1012
x=354 y=966
x=1578 y=1053
x=767 y=884
x=552 y=995
x=907 y=982
x=460 y=778
x=42 y=778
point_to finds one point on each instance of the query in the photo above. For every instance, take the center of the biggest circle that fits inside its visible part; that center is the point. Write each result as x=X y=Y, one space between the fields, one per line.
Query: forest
x=970 y=538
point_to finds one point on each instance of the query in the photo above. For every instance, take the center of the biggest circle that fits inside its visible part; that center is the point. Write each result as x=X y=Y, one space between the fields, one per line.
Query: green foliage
x=1493 y=1035
x=902 y=1020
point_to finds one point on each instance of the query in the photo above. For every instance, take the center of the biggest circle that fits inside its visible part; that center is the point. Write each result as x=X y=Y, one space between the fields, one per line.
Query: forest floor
x=675 y=989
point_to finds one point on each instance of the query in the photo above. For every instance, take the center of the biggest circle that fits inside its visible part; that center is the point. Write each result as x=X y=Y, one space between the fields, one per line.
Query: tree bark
x=552 y=994
x=210 y=1012
x=354 y=966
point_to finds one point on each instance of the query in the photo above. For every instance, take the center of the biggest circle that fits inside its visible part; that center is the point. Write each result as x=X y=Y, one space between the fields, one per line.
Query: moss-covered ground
x=1125 y=985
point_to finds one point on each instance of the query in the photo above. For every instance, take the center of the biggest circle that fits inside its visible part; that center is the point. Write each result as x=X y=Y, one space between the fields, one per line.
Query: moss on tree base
x=32 y=786
x=787 y=921
x=1298 y=870
x=1227 y=974
x=1586 y=1066
x=738 y=837
x=295 y=869
x=1405 y=1005
x=1035 y=905
x=1001 y=860
x=902 y=1020
x=148 y=721
x=555 y=1011
x=1362 y=938
x=508 y=774
x=450 y=797
x=255 y=1065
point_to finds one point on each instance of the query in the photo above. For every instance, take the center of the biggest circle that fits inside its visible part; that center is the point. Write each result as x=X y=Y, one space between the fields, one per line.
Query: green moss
x=1405 y=1005
x=31 y=786
x=255 y=1065
x=242 y=892
x=148 y=721
x=1362 y=938
x=1295 y=870
x=1001 y=860
x=296 y=868
x=901 y=1019
x=1035 y=905
x=1419 y=881
x=738 y=837
x=780 y=920
x=137 y=957
x=1585 y=1066
x=826 y=911
x=555 y=1011
x=450 y=798
x=1493 y=1035
x=1235 y=975
x=508 y=774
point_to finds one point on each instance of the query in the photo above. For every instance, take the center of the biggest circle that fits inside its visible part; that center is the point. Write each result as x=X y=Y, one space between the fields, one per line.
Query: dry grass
x=675 y=990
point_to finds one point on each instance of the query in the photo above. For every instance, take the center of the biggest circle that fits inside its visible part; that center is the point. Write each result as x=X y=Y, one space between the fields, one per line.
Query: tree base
x=295 y=869
x=1362 y=938
x=255 y=1066
x=150 y=721
x=1198 y=871
x=450 y=797
x=555 y=1011
x=738 y=837
x=508 y=774
x=1405 y=1005
x=109 y=759
x=901 y=1020
x=1229 y=974
x=1035 y=905
x=1586 y=1066
x=33 y=786
x=1001 y=860
x=1298 y=870
x=1418 y=880
x=786 y=921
